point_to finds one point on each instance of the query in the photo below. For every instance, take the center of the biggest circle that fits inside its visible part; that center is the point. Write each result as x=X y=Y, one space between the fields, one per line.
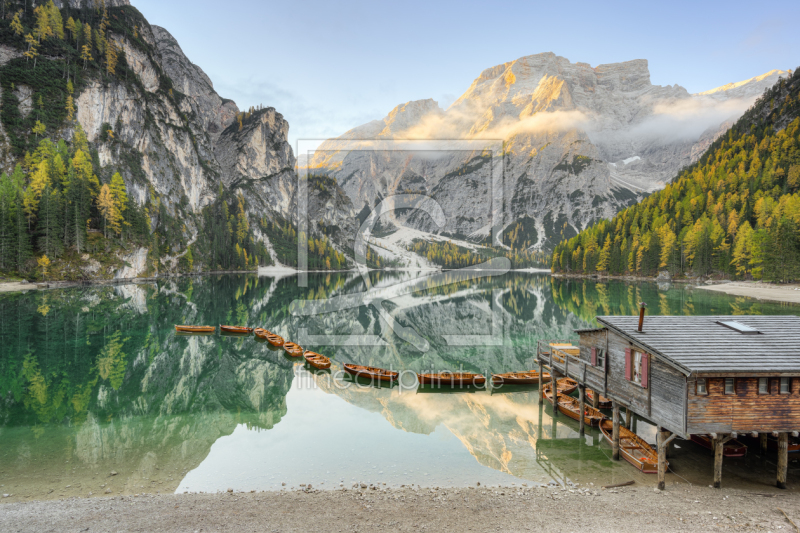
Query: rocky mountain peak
x=409 y=114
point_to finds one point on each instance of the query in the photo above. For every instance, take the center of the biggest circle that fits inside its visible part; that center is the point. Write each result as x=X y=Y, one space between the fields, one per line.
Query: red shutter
x=645 y=368
x=628 y=365
x=594 y=356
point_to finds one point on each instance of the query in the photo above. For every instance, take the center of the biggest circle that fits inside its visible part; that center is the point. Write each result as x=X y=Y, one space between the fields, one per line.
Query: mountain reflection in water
x=95 y=380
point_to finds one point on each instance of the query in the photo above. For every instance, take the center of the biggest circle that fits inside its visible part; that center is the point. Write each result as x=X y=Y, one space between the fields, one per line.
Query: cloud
x=687 y=119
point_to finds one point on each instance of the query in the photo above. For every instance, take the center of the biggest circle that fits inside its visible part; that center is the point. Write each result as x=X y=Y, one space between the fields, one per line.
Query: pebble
x=113 y=472
x=6 y=495
x=230 y=490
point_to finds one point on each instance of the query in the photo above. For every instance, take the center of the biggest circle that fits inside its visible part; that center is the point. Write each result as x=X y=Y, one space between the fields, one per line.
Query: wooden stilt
x=582 y=402
x=628 y=417
x=541 y=383
x=661 y=438
x=783 y=459
x=554 y=390
x=596 y=400
x=762 y=438
x=615 y=433
x=719 y=443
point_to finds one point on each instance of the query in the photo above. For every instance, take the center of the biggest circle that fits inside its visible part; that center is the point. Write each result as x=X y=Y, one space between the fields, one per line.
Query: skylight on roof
x=738 y=326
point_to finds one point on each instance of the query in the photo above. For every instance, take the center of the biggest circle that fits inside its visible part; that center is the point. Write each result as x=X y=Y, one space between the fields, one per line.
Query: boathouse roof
x=717 y=344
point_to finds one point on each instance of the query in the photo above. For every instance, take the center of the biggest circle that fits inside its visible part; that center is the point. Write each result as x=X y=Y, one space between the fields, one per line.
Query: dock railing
x=565 y=363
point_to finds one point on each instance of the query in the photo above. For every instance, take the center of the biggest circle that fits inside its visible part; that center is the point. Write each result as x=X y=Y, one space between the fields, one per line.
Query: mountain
x=202 y=184
x=734 y=213
x=579 y=144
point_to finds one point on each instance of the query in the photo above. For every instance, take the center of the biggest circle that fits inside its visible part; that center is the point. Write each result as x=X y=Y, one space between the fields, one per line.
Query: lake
x=99 y=395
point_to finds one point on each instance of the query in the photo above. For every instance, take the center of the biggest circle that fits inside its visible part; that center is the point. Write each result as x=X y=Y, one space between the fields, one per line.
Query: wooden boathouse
x=718 y=376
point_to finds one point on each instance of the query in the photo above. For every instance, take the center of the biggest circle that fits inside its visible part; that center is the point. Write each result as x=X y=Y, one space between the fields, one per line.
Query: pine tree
x=111 y=58
x=8 y=197
x=119 y=195
x=86 y=54
x=71 y=27
x=23 y=247
x=44 y=264
x=16 y=23
x=70 y=107
x=32 y=52
x=43 y=29
x=55 y=20
x=49 y=223
x=38 y=129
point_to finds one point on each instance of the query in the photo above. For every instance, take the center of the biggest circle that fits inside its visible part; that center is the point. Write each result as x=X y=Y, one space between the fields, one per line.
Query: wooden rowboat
x=370 y=372
x=317 y=360
x=732 y=448
x=275 y=340
x=518 y=378
x=293 y=349
x=603 y=402
x=794 y=443
x=236 y=329
x=196 y=329
x=565 y=386
x=261 y=333
x=572 y=408
x=633 y=448
x=451 y=379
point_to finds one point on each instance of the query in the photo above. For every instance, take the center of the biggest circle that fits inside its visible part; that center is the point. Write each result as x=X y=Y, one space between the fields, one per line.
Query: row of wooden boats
x=633 y=448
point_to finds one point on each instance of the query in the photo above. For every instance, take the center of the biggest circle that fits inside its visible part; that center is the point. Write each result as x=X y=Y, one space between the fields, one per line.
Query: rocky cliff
x=180 y=147
x=579 y=143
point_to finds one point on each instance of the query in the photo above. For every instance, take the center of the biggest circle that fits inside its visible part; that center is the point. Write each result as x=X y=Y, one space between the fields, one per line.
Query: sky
x=329 y=66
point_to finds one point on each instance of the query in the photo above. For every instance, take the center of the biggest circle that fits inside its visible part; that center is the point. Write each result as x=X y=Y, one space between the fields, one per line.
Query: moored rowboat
x=732 y=448
x=633 y=448
x=317 y=360
x=275 y=340
x=293 y=349
x=261 y=333
x=236 y=329
x=451 y=379
x=572 y=408
x=195 y=329
x=370 y=372
x=564 y=385
x=794 y=443
x=518 y=378
x=602 y=403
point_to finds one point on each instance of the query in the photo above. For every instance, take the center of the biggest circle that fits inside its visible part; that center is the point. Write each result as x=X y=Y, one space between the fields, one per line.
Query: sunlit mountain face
x=540 y=142
x=95 y=380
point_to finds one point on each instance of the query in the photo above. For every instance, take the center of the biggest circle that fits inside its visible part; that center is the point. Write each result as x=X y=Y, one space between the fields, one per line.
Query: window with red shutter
x=628 y=365
x=594 y=356
x=645 y=369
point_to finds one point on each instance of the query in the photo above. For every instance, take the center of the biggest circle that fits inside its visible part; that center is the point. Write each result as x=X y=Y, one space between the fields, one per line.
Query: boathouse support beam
x=582 y=402
x=554 y=390
x=719 y=445
x=615 y=432
x=663 y=439
x=541 y=382
x=763 y=441
x=628 y=417
x=783 y=459
x=596 y=399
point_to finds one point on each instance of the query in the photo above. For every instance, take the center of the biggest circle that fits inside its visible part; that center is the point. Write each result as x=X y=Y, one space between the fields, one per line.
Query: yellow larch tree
x=111 y=57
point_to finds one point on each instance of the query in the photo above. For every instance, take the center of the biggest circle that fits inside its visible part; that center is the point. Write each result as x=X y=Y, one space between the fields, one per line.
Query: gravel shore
x=761 y=291
x=520 y=508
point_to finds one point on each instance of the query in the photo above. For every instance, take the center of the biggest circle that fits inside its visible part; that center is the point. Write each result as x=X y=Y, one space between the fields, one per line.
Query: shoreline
x=680 y=507
x=269 y=271
x=760 y=291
